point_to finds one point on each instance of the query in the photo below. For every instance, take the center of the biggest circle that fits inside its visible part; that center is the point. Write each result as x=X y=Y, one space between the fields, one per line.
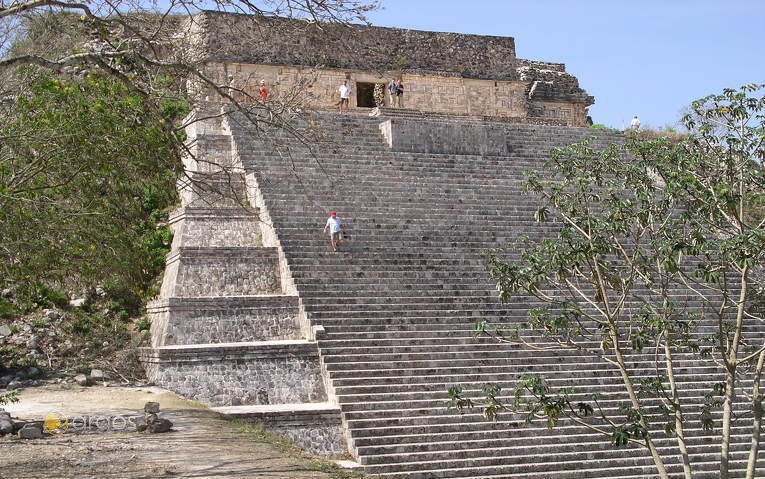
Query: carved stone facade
x=448 y=73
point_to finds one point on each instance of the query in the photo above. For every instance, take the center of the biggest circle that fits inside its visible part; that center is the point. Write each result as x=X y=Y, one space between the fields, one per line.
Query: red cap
x=333 y=213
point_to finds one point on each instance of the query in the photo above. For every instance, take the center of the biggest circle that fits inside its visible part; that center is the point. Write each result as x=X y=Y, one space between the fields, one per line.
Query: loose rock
x=161 y=425
x=6 y=424
x=97 y=375
x=151 y=422
x=5 y=330
x=77 y=302
x=82 y=380
x=31 y=431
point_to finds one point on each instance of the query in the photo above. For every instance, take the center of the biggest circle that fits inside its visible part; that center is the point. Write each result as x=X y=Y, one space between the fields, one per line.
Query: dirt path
x=201 y=444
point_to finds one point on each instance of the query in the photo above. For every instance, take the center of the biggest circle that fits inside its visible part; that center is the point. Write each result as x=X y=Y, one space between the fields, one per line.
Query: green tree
x=85 y=168
x=90 y=101
x=660 y=257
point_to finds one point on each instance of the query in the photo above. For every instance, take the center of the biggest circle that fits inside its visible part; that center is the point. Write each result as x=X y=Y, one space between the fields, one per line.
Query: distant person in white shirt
x=635 y=123
x=345 y=95
x=333 y=224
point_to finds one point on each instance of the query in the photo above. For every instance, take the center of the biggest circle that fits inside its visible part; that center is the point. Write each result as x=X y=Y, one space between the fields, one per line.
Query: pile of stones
x=149 y=422
x=25 y=430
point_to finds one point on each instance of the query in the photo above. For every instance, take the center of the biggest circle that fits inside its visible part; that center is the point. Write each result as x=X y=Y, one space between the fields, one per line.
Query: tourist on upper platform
x=263 y=91
x=345 y=96
x=392 y=89
x=379 y=96
x=231 y=84
x=635 y=123
x=335 y=234
x=400 y=93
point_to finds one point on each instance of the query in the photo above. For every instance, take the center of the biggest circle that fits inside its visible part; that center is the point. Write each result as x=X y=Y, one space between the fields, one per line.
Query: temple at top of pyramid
x=445 y=73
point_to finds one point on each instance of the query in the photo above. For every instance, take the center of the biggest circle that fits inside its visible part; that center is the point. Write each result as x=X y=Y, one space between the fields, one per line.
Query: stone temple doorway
x=365 y=96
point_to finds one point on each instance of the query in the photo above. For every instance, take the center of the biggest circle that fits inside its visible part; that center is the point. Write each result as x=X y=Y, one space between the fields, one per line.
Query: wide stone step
x=524 y=438
x=431 y=404
x=284 y=413
x=456 y=377
x=639 y=467
x=541 y=454
x=506 y=352
x=372 y=392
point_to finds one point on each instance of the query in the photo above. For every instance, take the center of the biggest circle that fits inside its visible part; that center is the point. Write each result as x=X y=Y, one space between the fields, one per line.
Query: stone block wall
x=444 y=137
x=437 y=93
x=222 y=272
x=205 y=191
x=490 y=139
x=571 y=114
x=235 y=319
x=210 y=152
x=282 y=373
x=213 y=228
x=443 y=94
x=322 y=440
x=303 y=66
x=267 y=40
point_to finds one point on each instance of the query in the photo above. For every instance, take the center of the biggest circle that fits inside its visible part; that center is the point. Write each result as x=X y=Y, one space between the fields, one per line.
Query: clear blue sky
x=651 y=58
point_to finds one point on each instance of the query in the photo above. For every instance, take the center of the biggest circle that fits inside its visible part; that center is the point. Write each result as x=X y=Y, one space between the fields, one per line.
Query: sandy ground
x=201 y=445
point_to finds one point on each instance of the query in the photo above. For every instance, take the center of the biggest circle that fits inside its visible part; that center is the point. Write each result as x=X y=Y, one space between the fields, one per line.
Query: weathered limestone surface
x=468 y=138
x=233 y=374
x=445 y=138
x=224 y=320
x=223 y=272
x=227 y=328
x=250 y=39
x=316 y=427
x=442 y=72
x=321 y=440
x=215 y=228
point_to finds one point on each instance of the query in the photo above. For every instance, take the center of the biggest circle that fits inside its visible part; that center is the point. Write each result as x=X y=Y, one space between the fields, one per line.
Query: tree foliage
x=91 y=97
x=85 y=170
x=660 y=256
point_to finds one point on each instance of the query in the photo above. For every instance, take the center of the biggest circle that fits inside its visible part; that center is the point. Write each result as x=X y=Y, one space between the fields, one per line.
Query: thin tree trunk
x=751 y=465
x=731 y=363
x=679 y=431
x=635 y=401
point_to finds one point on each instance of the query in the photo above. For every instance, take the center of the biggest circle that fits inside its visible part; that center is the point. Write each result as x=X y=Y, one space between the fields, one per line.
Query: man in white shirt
x=345 y=95
x=333 y=224
x=635 y=123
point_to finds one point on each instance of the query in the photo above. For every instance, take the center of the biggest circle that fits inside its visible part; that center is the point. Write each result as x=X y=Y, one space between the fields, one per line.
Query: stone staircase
x=226 y=327
x=394 y=309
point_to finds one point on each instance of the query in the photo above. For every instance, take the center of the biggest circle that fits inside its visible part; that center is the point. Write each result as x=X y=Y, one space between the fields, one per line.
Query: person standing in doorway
x=335 y=234
x=345 y=96
x=400 y=93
